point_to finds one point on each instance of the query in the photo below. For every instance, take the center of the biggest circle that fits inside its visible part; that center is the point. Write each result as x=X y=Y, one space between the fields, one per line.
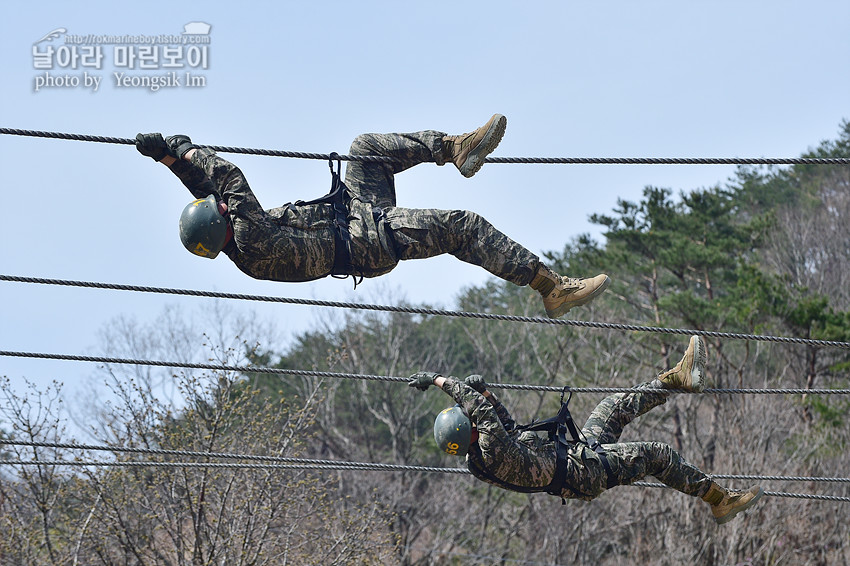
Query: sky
x=575 y=79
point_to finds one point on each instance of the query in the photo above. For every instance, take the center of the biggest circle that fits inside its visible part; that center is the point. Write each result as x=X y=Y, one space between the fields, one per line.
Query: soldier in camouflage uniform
x=301 y=241
x=499 y=453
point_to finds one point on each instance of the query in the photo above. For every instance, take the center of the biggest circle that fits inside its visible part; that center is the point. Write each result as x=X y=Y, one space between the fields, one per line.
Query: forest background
x=764 y=253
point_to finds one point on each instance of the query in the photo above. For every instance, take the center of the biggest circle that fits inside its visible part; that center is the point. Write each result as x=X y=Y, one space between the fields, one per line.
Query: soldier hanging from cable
x=357 y=229
x=592 y=460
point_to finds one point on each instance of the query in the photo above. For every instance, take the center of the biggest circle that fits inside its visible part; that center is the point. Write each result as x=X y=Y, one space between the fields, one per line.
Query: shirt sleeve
x=479 y=409
x=502 y=412
x=193 y=177
x=227 y=182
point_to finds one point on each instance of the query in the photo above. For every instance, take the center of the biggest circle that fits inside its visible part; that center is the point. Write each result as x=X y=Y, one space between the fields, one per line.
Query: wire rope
x=511 y=160
x=818 y=497
x=425 y=311
x=342 y=466
x=368 y=377
x=296 y=463
x=305 y=461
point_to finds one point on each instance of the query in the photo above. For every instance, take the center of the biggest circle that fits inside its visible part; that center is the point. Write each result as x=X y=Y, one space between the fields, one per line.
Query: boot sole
x=565 y=308
x=698 y=371
x=488 y=143
x=731 y=515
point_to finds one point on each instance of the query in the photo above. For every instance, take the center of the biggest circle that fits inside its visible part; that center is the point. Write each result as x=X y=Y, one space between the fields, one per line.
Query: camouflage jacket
x=288 y=243
x=521 y=458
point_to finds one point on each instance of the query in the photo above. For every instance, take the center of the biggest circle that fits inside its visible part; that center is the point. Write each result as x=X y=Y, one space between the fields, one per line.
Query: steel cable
x=291 y=460
x=425 y=311
x=368 y=377
x=512 y=160
x=768 y=493
x=337 y=466
x=296 y=463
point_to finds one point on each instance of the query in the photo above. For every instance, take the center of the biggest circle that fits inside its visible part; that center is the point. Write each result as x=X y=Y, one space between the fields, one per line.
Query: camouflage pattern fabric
x=527 y=459
x=631 y=461
x=282 y=244
x=296 y=243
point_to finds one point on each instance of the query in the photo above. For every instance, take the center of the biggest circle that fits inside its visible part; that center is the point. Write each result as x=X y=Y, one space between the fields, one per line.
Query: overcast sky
x=626 y=79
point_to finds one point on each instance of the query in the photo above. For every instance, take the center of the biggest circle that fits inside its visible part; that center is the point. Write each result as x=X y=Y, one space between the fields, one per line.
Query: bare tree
x=162 y=513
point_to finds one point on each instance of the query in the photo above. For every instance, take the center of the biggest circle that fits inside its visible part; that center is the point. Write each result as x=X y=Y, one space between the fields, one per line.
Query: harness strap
x=557 y=427
x=603 y=457
x=343 y=266
x=484 y=473
x=559 y=479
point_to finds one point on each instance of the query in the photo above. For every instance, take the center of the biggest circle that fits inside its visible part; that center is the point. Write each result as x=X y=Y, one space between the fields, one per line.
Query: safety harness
x=557 y=427
x=338 y=198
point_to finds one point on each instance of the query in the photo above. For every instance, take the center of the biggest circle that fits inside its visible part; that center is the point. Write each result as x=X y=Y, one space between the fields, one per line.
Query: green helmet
x=453 y=431
x=202 y=229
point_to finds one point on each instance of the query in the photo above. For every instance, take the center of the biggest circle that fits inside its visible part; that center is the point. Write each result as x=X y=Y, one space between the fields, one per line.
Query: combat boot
x=689 y=373
x=726 y=503
x=467 y=151
x=560 y=294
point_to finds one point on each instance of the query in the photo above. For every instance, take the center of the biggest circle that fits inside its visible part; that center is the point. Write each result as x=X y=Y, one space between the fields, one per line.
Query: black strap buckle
x=343 y=266
x=334 y=156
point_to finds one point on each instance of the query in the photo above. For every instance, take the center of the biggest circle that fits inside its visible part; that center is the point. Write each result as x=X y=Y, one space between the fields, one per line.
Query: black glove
x=422 y=380
x=152 y=145
x=476 y=382
x=179 y=145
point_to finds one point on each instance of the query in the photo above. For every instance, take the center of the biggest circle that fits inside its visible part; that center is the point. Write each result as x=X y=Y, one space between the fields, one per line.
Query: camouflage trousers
x=631 y=461
x=424 y=233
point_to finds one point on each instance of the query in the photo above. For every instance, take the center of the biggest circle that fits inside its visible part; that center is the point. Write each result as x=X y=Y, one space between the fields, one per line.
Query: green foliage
x=700 y=259
x=830 y=414
x=721 y=258
x=682 y=257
